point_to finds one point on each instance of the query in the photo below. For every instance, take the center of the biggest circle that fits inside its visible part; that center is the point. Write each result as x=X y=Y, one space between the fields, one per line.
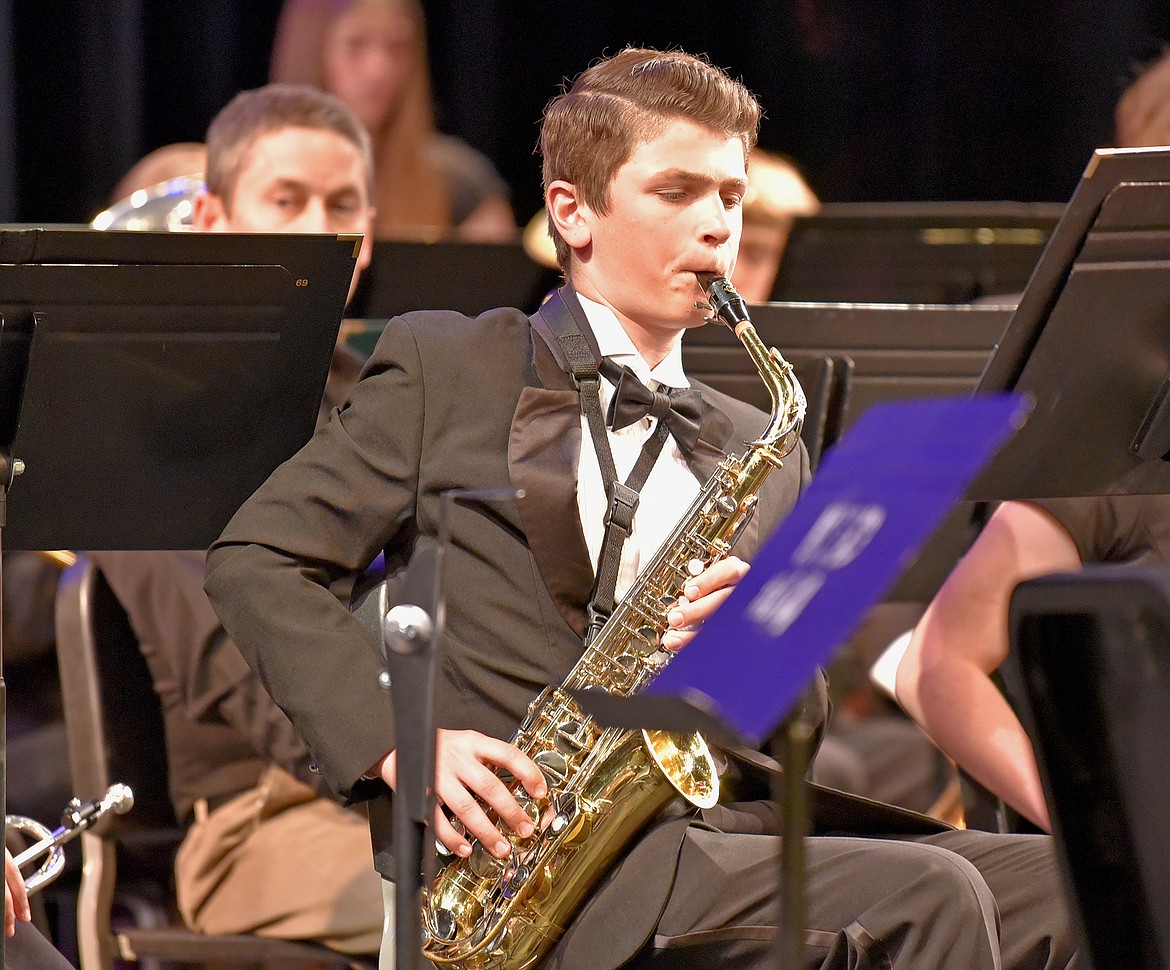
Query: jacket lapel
x=544 y=449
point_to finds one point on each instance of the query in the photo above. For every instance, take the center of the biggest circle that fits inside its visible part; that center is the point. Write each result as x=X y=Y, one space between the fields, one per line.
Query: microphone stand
x=412 y=634
x=9 y=468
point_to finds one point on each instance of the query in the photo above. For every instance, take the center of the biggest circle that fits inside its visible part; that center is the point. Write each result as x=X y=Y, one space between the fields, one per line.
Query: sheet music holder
x=913 y=252
x=449 y=275
x=873 y=502
x=1090 y=342
x=876 y=497
x=149 y=382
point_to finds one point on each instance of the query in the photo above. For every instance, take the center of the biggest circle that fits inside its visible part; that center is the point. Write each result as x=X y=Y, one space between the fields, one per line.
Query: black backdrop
x=876 y=99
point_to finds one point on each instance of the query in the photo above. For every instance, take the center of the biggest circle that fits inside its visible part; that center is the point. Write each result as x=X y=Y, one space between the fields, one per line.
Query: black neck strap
x=622 y=497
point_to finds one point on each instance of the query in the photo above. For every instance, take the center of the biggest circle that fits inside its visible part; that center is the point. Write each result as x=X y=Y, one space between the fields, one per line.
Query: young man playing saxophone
x=645 y=172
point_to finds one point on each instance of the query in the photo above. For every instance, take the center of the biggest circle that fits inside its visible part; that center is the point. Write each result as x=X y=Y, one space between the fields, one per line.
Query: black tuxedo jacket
x=444 y=402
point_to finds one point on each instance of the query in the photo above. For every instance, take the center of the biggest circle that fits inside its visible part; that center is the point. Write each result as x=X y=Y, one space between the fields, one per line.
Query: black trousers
x=28 y=950
x=959 y=899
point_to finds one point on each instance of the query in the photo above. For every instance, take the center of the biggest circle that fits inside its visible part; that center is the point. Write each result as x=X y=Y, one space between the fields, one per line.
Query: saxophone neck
x=728 y=308
x=787 y=396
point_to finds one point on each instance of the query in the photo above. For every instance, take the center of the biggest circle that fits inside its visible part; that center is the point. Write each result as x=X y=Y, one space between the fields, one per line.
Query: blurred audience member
x=372 y=55
x=776 y=195
x=1142 y=118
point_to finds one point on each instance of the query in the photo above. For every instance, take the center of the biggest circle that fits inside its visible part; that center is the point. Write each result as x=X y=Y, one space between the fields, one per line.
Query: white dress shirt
x=670 y=487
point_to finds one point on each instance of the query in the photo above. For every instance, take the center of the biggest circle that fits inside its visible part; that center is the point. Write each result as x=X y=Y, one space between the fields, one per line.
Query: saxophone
x=606 y=784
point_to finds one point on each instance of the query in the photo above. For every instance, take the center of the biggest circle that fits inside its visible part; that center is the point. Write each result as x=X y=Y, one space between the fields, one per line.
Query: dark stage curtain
x=876 y=99
x=7 y=118
x=99 y=83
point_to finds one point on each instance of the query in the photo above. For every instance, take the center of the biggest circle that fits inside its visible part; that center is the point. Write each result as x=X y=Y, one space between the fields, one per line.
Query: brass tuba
x=606 y=784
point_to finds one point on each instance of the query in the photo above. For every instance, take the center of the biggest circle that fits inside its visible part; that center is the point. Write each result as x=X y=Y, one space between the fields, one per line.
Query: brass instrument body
x=50 y=843
x=607 y=784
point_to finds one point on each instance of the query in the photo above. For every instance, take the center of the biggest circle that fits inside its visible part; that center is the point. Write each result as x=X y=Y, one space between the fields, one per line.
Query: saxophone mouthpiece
x=726 y=305
x=707 y=305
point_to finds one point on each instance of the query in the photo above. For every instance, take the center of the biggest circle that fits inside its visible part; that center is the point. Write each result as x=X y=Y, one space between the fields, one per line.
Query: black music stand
x=1101 y=727
x=470 y=277
x=913 y=252
x=149 y=382
x=1090 y=342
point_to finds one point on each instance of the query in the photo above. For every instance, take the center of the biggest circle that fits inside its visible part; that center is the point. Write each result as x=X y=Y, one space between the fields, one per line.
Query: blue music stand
x=876 y=498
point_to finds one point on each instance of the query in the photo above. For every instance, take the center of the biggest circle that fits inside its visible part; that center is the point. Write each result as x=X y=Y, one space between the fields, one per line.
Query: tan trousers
x=279 y=861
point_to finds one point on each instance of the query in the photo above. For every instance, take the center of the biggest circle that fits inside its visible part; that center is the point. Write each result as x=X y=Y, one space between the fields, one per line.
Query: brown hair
x=410 y=196
x=274 y=107
x=591 y=130
x=1142 y=117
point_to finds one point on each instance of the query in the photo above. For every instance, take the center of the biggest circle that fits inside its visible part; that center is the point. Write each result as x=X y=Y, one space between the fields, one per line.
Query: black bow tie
x=679 y=408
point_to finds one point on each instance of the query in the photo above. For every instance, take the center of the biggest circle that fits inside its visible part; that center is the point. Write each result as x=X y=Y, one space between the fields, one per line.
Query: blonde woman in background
x=371 y=54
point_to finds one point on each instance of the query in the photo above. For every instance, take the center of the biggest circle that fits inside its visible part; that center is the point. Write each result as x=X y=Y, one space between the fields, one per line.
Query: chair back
x=114 y=727
x=113 y=718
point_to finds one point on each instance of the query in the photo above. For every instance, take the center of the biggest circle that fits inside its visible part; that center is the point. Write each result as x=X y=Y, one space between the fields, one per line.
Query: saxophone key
x=572 y=737
x=516 y=881
x=659 y=659
x=482 y=862
x=552 y=764
x=442 y=925
x=533 y=809
x=626 y=672
x=646 y=640
x=569 y=825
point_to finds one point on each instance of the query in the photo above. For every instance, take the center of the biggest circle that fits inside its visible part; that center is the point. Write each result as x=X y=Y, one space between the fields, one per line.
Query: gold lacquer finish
x=605 y=784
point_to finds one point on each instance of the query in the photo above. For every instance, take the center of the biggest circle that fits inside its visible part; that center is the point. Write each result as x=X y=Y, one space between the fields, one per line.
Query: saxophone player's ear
x=569 y=214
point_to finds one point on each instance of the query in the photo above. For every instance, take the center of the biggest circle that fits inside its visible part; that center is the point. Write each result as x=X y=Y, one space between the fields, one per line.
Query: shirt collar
x=614 y=342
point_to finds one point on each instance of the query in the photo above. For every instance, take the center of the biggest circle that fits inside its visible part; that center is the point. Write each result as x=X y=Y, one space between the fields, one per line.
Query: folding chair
x=115 y=731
